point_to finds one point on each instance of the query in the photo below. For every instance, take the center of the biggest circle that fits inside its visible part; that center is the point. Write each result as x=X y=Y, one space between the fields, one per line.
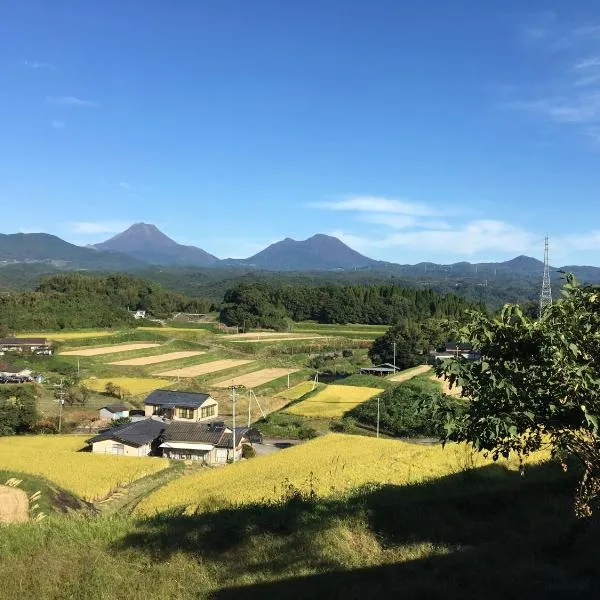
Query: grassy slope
x=477 y=534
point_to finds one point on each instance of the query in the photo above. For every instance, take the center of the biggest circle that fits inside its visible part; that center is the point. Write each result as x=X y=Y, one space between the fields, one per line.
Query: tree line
x=76 y=300
x=261 y=304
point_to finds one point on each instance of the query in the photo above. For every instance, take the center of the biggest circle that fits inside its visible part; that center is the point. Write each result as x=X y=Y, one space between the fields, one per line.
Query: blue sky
x=428 y=130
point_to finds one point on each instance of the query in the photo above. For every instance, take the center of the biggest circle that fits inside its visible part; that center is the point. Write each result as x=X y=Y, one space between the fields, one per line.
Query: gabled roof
x=175 y=398
x=134 y=434
x=16 y=341
x=206 y=433
x=115 y=408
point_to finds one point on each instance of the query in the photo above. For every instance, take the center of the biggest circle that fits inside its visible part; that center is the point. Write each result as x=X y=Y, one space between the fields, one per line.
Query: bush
x=307 y=433
x=248 y=451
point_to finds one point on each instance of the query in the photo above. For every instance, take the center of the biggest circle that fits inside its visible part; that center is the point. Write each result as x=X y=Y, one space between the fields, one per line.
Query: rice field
x=251 y=380
x=57 y=458
x=333 y=401
x=63 y=336
x=330 y=464
x=133 y=385
x=99 y=350
x=296 y=392
x=152 y=360
x=204 y=368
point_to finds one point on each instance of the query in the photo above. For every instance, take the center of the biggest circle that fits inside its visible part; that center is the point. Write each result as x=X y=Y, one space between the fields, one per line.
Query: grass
x=333 y=401
x=296 y=392
x=371 y=381
x=328 y=465
x=133 y=385
x=58 y=459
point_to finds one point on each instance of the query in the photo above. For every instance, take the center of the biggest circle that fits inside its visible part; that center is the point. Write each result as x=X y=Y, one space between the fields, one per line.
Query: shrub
x=248 y=451
x=307 y=433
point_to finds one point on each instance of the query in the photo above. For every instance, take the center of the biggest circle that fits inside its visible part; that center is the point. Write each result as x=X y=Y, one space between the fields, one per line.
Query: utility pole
x=378 y=416
x=61 y=401
x=288 y=381
x=546 y=293
x=249 y=405
x=77 y=368
x=394 y=357
x=233 y=429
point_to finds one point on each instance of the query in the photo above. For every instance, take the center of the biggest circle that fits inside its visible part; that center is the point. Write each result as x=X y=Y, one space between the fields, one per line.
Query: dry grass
x=330 y=464
x=409 y=374
x=151 y=360
x=446 y=389
x=204 y=368
x=57 y=458
x=251 y=380
x=61 y=336
x=133 y=385
x=296 y=392
x=333 y=401
x=98 y=350
x=14 y=505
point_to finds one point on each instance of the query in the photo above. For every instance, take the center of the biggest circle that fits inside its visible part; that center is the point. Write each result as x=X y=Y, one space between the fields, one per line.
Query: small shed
x=380 y=370
x=112 y=412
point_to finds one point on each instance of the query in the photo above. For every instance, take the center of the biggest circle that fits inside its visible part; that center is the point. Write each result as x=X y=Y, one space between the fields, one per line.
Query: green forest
x=75 y=300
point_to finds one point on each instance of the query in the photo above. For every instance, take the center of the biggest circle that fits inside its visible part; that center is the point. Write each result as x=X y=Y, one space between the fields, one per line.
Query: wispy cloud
x=71 y=101
x=56 y=124
x=36 y=64
x=378 y=204
x=92 y=227
x=124 y=185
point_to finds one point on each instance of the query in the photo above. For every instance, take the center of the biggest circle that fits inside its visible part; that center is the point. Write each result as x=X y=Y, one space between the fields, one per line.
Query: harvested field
x=277 y=339
x=133 y=385
x=333 y=401
x=204 y=368
x=409 y=374
x=269 y=335
x=256 y=378
x=63 y=336
x=151 y=360
x=98 y=350
x=14 y=505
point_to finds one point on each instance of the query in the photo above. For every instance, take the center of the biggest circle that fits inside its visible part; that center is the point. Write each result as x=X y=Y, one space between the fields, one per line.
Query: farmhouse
x=133 y=439
x=210 y=443
x=33 y=345
x=181 y=406
x=112 y=412
x=454 y=350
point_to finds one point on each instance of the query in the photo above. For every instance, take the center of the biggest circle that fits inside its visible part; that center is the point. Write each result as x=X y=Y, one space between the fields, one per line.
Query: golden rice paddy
x=333 y=401
x=57 y=458
x=152 y=360
x=133 y=385
x=256 y=378
x=204 y=368
x=99 y=350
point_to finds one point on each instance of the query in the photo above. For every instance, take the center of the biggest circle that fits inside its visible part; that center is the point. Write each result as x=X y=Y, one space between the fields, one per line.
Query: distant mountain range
x=142 y=245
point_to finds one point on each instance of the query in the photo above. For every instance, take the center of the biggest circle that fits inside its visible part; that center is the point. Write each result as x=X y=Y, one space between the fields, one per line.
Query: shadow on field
x=497 y=534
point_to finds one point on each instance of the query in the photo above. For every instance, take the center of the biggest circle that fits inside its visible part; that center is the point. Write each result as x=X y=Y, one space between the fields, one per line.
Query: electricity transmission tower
x=546 y=294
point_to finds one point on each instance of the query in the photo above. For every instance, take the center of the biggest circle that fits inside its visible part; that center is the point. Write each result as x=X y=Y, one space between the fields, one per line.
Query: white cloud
x=91 y=227
x=378 y=204
x=124 y=185
x=587 y=63
x=71 y=101
x=36 y=64
x=58 y=124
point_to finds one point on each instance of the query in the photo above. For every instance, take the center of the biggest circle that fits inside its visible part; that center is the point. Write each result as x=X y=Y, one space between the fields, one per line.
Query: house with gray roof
x=139 y=438
x=210 y=443
x=112 y=412
x=190 y=407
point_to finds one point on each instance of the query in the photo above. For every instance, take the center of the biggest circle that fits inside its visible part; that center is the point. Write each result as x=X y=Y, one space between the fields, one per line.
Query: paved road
x=271 y=445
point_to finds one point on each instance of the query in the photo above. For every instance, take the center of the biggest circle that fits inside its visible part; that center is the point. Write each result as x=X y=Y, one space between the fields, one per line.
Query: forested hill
x=74 y=300
x=268 y=305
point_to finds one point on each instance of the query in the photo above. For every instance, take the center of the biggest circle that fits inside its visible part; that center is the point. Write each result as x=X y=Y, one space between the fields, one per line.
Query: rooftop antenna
x=546 y=294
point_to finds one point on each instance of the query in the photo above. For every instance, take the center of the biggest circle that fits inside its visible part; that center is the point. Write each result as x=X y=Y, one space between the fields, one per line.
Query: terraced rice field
x=133 y=385
x=57 y=458
x=328 y=465
x=63 y=336
x=152 y=360
x=99 y=350
x=333 y=401
x=409 y=374
x=204 y=368
x=251 y=380
x=296 y=392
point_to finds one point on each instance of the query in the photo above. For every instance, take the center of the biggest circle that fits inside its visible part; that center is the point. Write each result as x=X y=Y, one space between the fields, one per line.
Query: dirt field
x=255 y=379
x=268 y=336
x=98 y=350
x=454 y=391
x=151 y=360
x=14 y=505
x=410 y=374
x=204 y=368
x=277 y=339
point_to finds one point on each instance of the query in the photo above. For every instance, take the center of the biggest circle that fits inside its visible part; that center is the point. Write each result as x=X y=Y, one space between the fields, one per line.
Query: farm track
x=402 y=377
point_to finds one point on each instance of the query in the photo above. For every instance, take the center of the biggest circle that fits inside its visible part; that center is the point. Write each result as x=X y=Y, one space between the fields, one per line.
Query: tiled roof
x=206 y=433
x=133 y=434
x=175 y=398
x=115 y=408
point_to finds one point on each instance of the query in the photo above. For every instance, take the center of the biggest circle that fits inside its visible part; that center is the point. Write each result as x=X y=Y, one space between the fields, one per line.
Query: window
x=185 y=413
x=118 y=449
x=208 y=411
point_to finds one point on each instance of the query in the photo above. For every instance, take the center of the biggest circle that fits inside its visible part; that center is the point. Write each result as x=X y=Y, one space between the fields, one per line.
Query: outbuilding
x=112 y=412
x=132 y=439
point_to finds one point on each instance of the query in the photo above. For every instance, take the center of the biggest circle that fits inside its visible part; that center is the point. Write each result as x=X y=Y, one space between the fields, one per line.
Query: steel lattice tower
x=546 y=294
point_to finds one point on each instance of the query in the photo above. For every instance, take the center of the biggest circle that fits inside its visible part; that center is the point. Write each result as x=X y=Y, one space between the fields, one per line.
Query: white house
x=132 y=439
x=112 y=412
